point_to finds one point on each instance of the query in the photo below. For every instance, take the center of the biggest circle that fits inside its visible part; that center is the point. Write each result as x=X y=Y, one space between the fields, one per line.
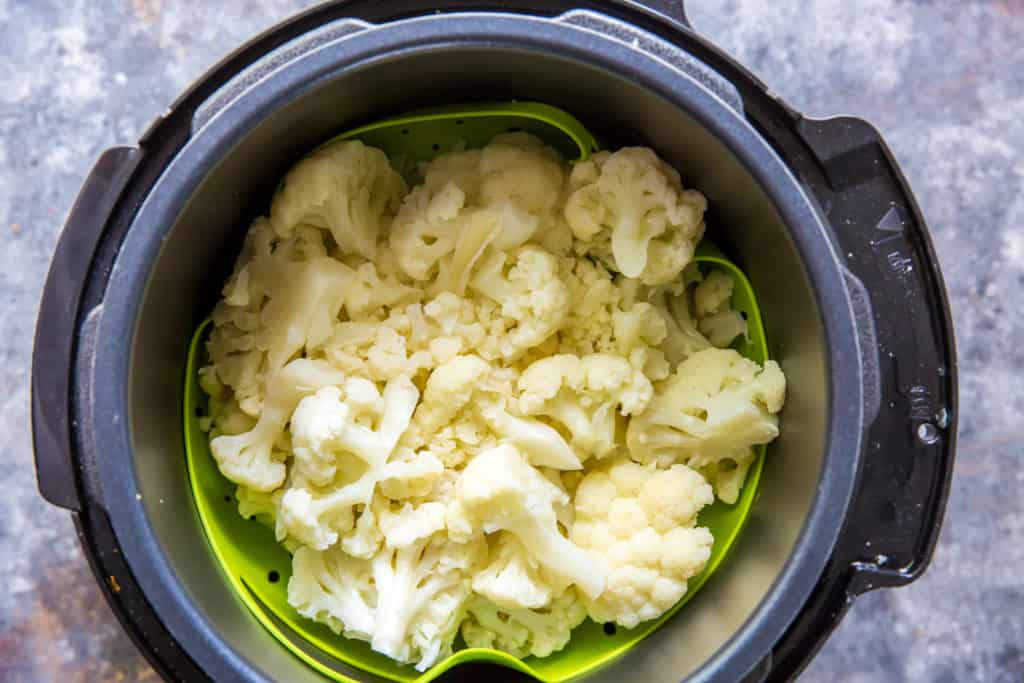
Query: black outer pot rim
x=141 y=248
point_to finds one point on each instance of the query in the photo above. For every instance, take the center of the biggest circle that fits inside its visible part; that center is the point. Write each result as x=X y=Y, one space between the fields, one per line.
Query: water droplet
x=881 y=560
x=927 y=433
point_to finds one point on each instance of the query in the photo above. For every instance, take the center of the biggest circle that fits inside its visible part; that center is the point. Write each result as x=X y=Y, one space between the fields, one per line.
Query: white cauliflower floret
x=639 y=522
x=709 y=415
x=410 y=474
x=334 y=588
x=474 y=199
x=448 y=390
x=672 y=304
x=406 y=599
x=306 y=514
x=584 y=395
x=716 y=319
x=248 y=458
x=530 y=292
x=629 y=208
x=523 y=632
x=345 y=187
x=412 y=572
x=261 y=505
x=513 y=579
x=542 y=445
x=372 y=290
x=274 y=308
x=499 y=491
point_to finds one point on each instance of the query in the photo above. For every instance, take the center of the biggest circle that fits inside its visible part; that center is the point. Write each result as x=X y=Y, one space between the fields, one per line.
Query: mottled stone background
x=943 y=80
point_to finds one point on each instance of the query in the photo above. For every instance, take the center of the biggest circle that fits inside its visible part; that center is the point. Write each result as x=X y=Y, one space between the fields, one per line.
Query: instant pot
x=815 y=211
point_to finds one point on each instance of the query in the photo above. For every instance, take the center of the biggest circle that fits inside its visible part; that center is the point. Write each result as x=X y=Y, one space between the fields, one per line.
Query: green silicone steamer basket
x=258 y=567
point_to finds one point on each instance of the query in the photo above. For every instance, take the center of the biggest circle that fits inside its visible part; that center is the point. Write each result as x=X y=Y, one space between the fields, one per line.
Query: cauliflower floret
x=583 y=395
x=345 y=187
x=248 y=458
x=529 y=291
x=499 y=491
x=371 y=291
x=672 y=304
x=629 y=209
x=716 y=319
x=709 y=415
x=309 y=515
x=406 y=600
x=639 y=522
x=261 y=505
x=411 y=572
x=474 y=199
x=542 y=445
x=523 y=632
x=274 y=308
x=513 y=579
x=334 y=588
x=410 y=474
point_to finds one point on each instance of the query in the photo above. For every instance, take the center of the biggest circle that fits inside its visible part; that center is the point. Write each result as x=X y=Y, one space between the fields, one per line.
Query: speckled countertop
x=944 y=82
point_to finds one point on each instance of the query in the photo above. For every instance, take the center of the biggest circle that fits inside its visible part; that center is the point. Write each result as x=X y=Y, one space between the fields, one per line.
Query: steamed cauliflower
x=709 y=415
x=629 y=209
x=639 y=522
x=488 y=406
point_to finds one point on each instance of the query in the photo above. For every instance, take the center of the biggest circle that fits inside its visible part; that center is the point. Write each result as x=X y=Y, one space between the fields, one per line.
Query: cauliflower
x=334 y=588
x=406 y=599
x=337 y=424
x=513 y=579
x=583 y=395
x=474 y=199
x=709 y=415
x=410 y=474
x=716 y=319
x=489 y=405
x=523 y=632
x=629 y=209
x=499 y=491
x=639 y=522
x=529 y=291
x=542 y=445
x=412 y=571
x=274 y=308
x=345 y=187
x=249 y=458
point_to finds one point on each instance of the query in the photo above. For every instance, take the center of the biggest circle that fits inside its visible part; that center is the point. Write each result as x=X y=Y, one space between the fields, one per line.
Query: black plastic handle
x=55 y=328
x=910 y=437
x=911 y=383
x=676 y=9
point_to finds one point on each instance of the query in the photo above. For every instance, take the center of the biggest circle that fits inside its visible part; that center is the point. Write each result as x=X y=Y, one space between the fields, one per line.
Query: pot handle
x=907 y=353
x=55 y=327
x=910 y=375
x=674 y=9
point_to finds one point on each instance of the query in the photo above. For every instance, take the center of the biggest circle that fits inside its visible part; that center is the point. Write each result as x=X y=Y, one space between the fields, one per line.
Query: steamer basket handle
x=55 y=327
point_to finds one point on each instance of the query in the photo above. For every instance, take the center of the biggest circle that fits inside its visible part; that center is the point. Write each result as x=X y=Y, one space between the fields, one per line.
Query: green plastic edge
x=549 y=119
x=725 y=521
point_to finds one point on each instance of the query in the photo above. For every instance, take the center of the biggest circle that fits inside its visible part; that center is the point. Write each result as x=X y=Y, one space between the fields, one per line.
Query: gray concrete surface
x=944 y=81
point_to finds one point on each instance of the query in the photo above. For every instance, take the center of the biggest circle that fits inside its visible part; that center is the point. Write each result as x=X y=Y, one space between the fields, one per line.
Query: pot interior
x=202 y=243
